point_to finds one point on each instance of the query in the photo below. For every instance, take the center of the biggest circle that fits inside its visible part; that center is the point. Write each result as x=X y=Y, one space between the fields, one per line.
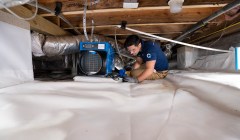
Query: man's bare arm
x=138 y=63
x=148 y=71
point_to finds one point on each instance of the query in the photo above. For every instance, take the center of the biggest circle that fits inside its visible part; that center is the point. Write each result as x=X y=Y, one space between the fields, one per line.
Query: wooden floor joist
x=131 y=10
x=39 y=23
x=136 y=25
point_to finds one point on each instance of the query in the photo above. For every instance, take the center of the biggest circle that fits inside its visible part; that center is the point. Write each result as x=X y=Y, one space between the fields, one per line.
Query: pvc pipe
x=174 y=41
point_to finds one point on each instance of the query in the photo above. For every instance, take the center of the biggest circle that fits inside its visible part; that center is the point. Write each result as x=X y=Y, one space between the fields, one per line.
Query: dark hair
x=132 y=40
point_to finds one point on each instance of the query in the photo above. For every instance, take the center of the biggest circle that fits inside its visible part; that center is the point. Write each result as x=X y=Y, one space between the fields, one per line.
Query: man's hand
x=130 y=79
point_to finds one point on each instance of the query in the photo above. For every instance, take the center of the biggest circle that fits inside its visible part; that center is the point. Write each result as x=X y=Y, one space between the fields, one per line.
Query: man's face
x=134 y=50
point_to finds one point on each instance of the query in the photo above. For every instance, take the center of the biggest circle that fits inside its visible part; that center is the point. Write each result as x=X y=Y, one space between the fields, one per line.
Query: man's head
x=133 y=44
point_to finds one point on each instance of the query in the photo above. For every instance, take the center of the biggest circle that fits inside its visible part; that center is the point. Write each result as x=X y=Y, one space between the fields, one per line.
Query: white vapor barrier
x=183 y=106
x=189 y=58
x=186 y=56
x=217 y=62
x=15 y=55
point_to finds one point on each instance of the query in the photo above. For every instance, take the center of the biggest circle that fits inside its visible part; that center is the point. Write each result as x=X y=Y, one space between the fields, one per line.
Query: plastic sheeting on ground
x=184 y=106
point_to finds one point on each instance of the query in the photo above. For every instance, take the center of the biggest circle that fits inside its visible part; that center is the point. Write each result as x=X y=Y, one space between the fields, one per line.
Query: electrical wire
x=232 y=25
x=220 y=36
x=115 y=36
x=92 y=31
x=60 y=16
x=84 y=21
x=29 y=18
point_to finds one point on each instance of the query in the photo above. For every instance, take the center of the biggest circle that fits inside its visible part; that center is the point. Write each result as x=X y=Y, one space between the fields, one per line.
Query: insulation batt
x=37 y=43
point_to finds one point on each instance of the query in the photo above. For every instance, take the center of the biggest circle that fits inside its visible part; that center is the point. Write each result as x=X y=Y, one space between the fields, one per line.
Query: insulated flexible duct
x=62 y=45
x=55 y=45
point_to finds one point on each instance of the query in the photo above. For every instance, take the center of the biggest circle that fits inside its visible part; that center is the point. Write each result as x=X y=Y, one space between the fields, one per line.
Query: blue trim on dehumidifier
x=236 y=58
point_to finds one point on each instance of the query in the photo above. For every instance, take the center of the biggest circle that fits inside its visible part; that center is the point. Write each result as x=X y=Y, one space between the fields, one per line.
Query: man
x=151 y=63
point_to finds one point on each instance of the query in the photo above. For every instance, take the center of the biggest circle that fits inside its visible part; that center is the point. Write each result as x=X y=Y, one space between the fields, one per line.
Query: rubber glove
x=130 y=79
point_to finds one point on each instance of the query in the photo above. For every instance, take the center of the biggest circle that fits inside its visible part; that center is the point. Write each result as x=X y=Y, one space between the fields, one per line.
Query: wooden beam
x=10 y=19
x=58 y=21
x=160 y=29
x=137 y=25
x=130 y=33
x=39 y=24
x=141 y=9
x=122 y=38
x=141 y=17
x=77 y=5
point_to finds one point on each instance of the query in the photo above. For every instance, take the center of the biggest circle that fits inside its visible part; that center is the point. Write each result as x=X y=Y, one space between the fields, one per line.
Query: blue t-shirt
x=152 y=51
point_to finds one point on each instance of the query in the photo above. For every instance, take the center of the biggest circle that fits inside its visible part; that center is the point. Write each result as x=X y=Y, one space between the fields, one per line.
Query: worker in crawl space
x=151 y=63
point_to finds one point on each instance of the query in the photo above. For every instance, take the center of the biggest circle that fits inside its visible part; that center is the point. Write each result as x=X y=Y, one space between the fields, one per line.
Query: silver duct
x=55 y=46
x=63 y=45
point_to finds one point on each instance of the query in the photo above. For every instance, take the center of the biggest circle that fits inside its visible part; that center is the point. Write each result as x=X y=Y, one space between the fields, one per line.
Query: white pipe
x=13 y=13
x=174 y=41
x=60 y=15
